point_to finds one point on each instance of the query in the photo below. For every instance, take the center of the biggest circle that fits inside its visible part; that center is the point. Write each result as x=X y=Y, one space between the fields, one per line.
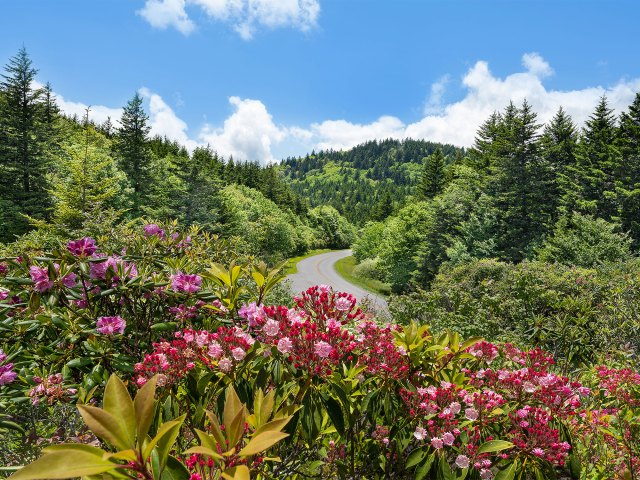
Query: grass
x=292 y=264
x=345 y=266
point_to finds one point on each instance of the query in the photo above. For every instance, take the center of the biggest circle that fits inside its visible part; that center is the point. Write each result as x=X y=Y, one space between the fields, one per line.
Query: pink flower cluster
x=322 y=304
x=7 y=375
x=43 y=283
x=181 y=282
x=51 y=389
x=111 y=325
x=379 y=353
x=111 y=266
x=83 y=248
x=222 y=350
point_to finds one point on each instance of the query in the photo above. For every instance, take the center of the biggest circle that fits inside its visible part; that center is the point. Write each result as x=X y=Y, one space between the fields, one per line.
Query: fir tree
x=519 y=183
x=24 y=138
x=133 y=152
x=628 y=143
x=433 y=176
x=598 y=164
x=559 y=144
x=384 y=207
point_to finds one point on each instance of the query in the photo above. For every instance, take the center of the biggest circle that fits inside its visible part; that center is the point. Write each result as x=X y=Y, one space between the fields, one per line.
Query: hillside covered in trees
x=64 y=176
x=367 y=182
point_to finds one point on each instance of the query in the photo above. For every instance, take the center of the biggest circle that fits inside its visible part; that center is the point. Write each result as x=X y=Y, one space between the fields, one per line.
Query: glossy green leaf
x=105 y=426
x=144 y=406
x=262 y=442
x=62 y=463
x=494 y=446
x=118 y=403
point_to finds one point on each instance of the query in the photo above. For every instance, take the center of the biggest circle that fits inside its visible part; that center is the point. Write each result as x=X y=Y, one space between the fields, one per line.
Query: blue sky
x=262 y=79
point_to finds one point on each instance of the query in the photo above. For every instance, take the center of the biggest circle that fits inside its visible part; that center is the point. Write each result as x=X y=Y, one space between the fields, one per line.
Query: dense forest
x=367 y=182
x=553 y=192
x=68 y=176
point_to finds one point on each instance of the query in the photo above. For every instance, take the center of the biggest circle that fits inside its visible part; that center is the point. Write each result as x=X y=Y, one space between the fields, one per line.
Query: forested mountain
x=367 y=182
x=524 y=191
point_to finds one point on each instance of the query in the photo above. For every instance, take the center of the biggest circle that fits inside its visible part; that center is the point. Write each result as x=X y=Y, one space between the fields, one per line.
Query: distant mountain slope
x=365 y=182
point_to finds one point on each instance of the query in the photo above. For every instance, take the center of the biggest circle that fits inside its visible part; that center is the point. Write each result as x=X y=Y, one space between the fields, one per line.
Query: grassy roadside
x=345 y=266
x=292 y=264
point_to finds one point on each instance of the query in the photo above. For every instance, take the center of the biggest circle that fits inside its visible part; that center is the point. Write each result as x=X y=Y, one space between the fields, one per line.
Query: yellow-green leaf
x=272 y=426
x=170 y=429
x=143 y=405
x=262 y=442
x=105 y=426
x=232 y=406
x=215 y=426
x=206 y=440
x=266 y=407
x=118 y=403
x=241 y=472
x=204 y=451
x=235 y=431
x=494 y=446
x=70 y=463
x=74 y=446
x=129 y=455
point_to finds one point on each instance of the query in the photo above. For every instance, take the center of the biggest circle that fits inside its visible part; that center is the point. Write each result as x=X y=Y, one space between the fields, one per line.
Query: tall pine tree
x=433 y=176
x=559 y=144
x=133 y=152
x=599 y=164
x=628 y=143
x=519 y=183
x=24 y=138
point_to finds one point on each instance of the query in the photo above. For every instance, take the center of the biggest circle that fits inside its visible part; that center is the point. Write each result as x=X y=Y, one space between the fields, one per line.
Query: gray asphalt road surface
x=319 y=269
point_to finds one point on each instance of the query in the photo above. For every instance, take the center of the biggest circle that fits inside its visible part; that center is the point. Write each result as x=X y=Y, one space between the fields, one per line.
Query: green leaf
x=143 y=405
x=423 y=470
x=494 y=446
x=105 y=426
x=232 y=406
x=168 y=431
x=175 y=470
x=507 y=473
x=415 y=457
x=168 y=439
x=262 y=442
x=204 y=451
x=118 y=403
x=241 y=472
x=335 y=413
x=71 y=463
x=273 y=426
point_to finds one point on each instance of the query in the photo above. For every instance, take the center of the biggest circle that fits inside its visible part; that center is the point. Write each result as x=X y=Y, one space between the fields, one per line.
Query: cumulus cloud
x=248 y=134
x=244 y=16
x=97 y=113
x=167 y=13
x=434 y=102
x=164 y=121
x=251 y=133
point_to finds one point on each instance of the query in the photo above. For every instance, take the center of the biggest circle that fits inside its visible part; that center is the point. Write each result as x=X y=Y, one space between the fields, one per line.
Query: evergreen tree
x=559 y=144
x=598 y=164
x=133 y=152
x=433 y=176
x=519 y=183
x=628 y=143
x=88 y=186
x=24 y=138
x=200 y=200
x=384 y=208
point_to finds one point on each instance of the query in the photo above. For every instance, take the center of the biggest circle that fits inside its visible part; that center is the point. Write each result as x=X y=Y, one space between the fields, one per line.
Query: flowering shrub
x=361 y=399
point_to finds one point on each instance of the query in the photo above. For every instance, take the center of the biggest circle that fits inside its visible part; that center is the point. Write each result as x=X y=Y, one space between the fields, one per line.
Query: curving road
x=319 y=269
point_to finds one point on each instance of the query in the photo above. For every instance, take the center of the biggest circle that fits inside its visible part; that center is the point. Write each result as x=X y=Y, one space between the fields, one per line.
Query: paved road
x=319 y=269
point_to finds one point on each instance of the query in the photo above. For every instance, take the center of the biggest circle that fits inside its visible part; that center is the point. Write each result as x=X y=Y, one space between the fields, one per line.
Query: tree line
x=68 y=175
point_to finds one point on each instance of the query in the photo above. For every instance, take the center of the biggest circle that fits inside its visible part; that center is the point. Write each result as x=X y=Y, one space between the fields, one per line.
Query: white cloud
x=167 y=13
x=245 y=16
x=97 y=113
x=248 y=134
x=251 y=133
x=164 y=122
x=341 y=134
x=537 y=65
x=434 y=102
